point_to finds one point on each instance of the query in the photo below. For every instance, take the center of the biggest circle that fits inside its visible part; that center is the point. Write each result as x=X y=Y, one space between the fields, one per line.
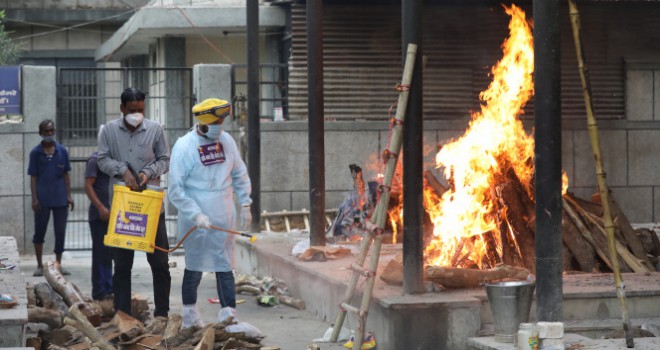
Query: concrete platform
x=13 y=321
x=443 y=319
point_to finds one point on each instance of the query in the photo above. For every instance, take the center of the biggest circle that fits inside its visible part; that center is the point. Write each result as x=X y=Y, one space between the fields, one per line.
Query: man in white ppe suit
x=206 y=170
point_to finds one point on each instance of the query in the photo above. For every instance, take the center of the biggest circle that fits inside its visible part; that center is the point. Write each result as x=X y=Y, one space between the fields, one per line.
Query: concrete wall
x=39 y=38
x=629 y=149
x=71 y=4
x=16 y=141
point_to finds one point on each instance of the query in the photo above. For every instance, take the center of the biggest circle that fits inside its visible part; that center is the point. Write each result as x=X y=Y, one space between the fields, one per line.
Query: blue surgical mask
x=48 y=138
x=214 y=131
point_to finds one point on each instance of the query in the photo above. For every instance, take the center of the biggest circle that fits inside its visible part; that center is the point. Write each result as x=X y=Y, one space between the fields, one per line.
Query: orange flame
x=494 y=143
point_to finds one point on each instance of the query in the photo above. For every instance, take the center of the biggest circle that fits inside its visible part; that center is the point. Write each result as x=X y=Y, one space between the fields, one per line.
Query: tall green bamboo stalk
x=603 y=188
x=379 y=215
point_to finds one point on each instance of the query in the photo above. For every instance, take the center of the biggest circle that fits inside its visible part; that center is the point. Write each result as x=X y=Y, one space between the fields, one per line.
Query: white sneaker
x=191 y=317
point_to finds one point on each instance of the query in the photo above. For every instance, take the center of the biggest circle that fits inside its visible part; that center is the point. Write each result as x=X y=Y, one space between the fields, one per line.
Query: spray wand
x=244 y=234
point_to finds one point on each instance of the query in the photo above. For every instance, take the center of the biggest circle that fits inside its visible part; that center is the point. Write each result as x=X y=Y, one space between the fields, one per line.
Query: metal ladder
x=376 y=225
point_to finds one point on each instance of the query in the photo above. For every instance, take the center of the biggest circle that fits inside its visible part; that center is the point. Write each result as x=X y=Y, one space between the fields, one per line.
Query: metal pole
x=253 y=99
x=547 y=101
x=315 y=120
x=413 y=160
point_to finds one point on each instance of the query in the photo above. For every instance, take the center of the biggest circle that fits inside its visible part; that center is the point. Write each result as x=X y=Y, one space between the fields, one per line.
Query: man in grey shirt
x=140 y=143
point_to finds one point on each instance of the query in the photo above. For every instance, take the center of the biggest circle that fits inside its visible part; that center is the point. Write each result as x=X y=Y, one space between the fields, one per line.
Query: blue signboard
x=10 y=90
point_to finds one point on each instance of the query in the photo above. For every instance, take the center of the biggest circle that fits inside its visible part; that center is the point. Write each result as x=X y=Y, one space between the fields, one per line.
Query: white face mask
x=134 y=119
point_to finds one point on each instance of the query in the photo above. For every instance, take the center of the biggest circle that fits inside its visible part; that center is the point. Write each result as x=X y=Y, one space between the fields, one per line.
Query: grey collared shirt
x=146 y=150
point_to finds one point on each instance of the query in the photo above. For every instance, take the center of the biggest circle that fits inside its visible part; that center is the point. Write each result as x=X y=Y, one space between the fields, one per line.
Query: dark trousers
x=160 y=271
x=41 y=218
x=101 y=260
x=224 y=283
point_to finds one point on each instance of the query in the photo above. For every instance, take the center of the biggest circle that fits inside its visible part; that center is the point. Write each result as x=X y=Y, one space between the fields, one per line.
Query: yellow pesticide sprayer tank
x=134 y=218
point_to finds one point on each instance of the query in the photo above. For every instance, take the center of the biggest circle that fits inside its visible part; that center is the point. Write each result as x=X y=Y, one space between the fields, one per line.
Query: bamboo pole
x=380 y=213
x=603 y=188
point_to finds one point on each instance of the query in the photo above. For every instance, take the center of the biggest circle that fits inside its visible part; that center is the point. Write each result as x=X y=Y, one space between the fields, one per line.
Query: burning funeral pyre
x=482 y=214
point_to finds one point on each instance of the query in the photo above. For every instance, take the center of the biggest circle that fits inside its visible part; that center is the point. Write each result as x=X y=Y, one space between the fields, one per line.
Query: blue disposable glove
x=244 y=218
x=202 y=221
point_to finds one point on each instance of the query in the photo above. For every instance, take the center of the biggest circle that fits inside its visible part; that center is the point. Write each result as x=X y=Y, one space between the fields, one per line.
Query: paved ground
x=284 y=327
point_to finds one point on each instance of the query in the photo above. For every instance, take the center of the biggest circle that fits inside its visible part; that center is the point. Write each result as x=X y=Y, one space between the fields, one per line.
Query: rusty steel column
x=413 y=155
x=315 y=120
x=253 y=100
x=547 y=135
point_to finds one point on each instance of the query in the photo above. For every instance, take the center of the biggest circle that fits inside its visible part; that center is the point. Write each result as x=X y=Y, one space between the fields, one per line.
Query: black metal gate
x=88 y=97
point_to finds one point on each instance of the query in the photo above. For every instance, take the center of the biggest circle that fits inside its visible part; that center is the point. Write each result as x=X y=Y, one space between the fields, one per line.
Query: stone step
x=593 y=329
x=571 y=341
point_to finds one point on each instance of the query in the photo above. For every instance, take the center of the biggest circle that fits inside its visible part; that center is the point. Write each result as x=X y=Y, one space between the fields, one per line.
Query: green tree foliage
x=9 y=51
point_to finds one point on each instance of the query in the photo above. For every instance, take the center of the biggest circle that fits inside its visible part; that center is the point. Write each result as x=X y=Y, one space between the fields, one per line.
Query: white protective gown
x=203 y=177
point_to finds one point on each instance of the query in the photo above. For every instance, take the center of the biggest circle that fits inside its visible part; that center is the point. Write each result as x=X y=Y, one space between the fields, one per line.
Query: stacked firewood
x=585 y=239
x=75 y=322
x=585 y=244
x=584 y=236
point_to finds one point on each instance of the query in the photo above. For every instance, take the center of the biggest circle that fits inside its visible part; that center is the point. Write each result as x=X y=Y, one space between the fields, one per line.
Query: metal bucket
x=510 y=303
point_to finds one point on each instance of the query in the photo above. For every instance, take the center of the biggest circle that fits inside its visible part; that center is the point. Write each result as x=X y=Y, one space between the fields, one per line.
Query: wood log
x=49 y=298
x=55 y=347
x=104 y=307
x=630 y=260
x=632 y=241
x=291 y=301
x=232 y=343
x=157 y=326
x=600 y=246
x=590 y=206
x=254 y=290
x=58 y=337
x=393 y=272
x=79 y=320
x=649 y=240
x=519 y=211
x=139 y=307
x=581 y=250
x=173 y=326
x=128 y=326
x=53 y=318
x=434 y=184
x=454 y=277
x=81 y=346
x=600 y=237
x=568 y=261
x=145 y=341
x=31 y=295
x=208 y=340
x=182 y=336
x=71 y=294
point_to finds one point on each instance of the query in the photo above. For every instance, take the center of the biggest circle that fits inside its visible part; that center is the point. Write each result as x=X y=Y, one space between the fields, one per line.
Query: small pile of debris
x=268 y=291
x=76 y=322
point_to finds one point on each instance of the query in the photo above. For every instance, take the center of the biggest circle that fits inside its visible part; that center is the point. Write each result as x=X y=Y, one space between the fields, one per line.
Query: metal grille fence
x=273 y=94
x=88 y=97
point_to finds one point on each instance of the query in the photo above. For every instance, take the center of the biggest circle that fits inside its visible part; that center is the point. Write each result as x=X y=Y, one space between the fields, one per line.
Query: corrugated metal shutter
x=362 y=61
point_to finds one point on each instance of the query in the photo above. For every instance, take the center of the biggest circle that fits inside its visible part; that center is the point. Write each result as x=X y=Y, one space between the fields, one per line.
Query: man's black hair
x=44 y=123
x=132 y=94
